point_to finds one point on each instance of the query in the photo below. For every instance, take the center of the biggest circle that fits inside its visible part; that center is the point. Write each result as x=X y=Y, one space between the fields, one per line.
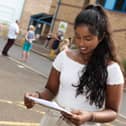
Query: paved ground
x=15 y=80
x=35 y=61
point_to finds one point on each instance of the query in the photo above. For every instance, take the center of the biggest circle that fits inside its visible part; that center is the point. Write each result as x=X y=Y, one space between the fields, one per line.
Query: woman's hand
x=29 y=103
x=78 y=117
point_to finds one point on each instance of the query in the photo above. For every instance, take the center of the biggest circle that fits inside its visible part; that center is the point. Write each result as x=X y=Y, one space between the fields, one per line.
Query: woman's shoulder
x=66 y=54
x=113 y=64
x=71 y=53
x=114 y=68
x=115 y=75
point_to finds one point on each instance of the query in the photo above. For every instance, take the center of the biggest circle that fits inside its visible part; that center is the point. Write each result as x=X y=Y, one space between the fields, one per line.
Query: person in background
x=48 y=38
x=83 y=80
x=57 y=39
x=27 y=46
x=12 y=35
x=64 y=45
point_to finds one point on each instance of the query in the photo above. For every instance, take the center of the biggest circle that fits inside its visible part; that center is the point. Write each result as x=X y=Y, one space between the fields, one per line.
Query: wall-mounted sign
x=62 y=26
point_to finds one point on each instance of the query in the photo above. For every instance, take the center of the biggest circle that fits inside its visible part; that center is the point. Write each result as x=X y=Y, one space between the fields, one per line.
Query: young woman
x=27 y=46
x=88 y=81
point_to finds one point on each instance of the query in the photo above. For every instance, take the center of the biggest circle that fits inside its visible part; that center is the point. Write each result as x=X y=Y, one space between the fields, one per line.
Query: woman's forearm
x=104 y=116
x=46 y=94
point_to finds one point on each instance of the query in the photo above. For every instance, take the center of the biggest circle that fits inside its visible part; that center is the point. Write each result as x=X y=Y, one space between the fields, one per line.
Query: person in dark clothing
x=57 y=40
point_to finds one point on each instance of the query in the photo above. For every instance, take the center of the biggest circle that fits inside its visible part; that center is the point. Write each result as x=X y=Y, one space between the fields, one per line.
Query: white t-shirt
x=13 y=30
x=69 y=72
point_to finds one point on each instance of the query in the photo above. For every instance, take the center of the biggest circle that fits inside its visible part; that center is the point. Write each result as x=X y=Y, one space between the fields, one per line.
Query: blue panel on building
x=109 y=4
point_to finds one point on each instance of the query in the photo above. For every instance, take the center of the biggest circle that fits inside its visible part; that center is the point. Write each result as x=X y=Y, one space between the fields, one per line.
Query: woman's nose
x=82 y=42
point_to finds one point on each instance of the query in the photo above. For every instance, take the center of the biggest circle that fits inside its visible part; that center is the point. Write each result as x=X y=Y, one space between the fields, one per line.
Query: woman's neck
x=77 y=56
x=83 y=57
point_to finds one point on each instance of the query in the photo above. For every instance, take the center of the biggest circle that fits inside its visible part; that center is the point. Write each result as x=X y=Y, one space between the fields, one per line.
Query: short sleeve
x=57 y=64
x=115 y=76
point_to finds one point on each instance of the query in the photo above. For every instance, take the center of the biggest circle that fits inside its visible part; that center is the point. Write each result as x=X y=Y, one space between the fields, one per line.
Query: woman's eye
x=77 y=37
x=88 y=39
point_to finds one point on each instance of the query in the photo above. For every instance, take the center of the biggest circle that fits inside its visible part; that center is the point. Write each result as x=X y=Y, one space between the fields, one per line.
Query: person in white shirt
x=88 y=80
x=12 y=35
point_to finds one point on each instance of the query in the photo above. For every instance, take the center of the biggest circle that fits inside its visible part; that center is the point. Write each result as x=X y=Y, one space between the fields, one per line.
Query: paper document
x=48 y=104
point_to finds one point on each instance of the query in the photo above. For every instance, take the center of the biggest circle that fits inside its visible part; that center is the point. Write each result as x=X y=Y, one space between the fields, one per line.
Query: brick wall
x=70 y=8
x=117 y=21
x=67 y=13
x=33 y=7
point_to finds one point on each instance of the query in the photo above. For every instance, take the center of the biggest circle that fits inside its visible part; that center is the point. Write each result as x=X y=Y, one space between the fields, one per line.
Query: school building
x=66 y=11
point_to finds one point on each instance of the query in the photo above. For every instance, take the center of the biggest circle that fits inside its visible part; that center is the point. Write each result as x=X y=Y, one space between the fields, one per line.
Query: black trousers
x=8 y=45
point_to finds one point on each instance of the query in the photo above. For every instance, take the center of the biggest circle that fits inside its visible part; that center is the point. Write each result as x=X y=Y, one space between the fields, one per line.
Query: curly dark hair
x=93 y=80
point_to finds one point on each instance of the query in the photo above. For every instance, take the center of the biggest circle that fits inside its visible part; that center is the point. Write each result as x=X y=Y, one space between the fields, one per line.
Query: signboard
x=62 y=26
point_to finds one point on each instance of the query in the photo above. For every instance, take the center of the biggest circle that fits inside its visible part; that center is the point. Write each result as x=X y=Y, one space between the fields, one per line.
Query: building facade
x=21 y=10
x=68 y=9
x=32 y=7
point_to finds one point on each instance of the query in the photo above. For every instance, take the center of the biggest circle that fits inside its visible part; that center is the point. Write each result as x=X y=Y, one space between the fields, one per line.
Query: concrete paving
x=36 y=62
x=15 y=80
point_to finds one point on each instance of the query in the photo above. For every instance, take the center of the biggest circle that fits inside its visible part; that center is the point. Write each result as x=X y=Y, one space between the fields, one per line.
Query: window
x=115 y=5
x=109 y=4
x=119 y=4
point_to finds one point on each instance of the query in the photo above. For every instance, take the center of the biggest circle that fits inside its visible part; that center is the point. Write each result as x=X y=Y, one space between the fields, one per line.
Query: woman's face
x=85 y=40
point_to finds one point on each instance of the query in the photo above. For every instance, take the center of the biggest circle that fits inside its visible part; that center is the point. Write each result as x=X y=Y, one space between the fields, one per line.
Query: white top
x=69 y=72
x=13 y=30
